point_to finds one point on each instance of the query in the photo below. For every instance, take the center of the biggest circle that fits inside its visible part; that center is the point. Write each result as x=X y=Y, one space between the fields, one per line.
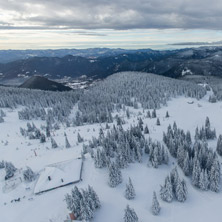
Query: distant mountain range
x=172 y=63
x=13 y=55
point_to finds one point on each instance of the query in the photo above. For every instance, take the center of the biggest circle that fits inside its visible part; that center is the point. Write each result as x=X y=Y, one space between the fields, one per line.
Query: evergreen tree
x=9 y=170
x=67 y=142
x=180 y=156
x=180 y=193
x=1 y=119
x=158 y=122
x=166 y=191
x=154 y=159
x=140 y=124
x=186 y=165
x=94 y=197
x=188 y=138
x=146 y=130
x=42 y=138
x=130 y=215
x=204 y=181
x=115 y=175
x=148 y=114
x=196 y=173
x=29 y=175
x=48 y=134
x=154 y=113
x=155 y=205
x=53 y=143
x=85 y=211
x=127 y=113
x=215 y=176
x=165 y=157
x=219 y=145
x=130 y=192
x=79 y=138
x=167 y=115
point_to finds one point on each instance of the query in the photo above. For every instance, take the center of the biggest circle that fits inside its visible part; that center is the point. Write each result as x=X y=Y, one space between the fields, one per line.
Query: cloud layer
x=106 y=14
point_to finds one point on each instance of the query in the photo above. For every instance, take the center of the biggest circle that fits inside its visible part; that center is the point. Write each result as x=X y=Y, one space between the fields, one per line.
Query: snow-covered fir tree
x=29 y=175
x=214 y=177
x=204 y=180
x=166 y=191
x=130 y=215
x=9 y=170
x=42 y=138
x=130 y=191
x=115 y=175
x=67 y=144
x=219 y=145
x=83 y=203
x=155 y=205
x=154 y=113
x=181 y=191
x=158 y=122
x=146 y=130
x=79 y=138
x=53 y=143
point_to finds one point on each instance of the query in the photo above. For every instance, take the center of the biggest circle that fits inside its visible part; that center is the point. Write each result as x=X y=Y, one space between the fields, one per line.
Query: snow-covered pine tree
x=219 y=145
x=158 y=122
x=130 y=191
x=130 y=215
x=188 y=138
x=154 y=113
x=196 y=173
x=154 y=159
x=181 y=155
x=204 y=180
x=166 y=191
x=94 y=197
x=53 y=143
x=165 y=157
x=148 y=114
x=140 y=124
x=181 y=194
x=48 y=134
x=1 y=119
x=214 y=181
x=115 y=175
x=2 y=164
x=186 y=165
x=86 y=213
x=67 y=144
x=146 y=130
x=79 y=138
x=9 y=170
x=29 y=175
x=127 y=113
x=100 y=159
x=2 y=113
x=42 y=138
x=155 y=205
x=167 y=114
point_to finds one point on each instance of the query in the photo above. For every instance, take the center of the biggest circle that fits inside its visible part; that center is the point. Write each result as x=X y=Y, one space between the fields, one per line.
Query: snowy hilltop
x=132 y=147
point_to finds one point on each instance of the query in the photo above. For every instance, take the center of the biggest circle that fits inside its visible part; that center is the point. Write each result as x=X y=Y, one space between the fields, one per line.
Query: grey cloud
x=197 y=43
x=115 y=14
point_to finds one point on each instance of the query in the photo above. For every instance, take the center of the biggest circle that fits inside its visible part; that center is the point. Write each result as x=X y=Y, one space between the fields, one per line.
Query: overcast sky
x=107 y=23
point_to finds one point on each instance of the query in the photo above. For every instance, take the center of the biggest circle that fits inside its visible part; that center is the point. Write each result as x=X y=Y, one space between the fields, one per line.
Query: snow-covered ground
x=188 y=114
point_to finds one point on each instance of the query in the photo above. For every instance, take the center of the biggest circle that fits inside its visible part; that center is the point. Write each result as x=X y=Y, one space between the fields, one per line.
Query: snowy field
x=51 y=207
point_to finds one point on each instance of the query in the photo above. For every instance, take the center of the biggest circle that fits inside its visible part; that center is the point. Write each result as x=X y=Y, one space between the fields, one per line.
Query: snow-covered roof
x=60 y=174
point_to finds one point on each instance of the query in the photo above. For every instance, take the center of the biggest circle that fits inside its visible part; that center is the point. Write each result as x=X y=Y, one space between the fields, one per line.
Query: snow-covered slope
x=21 y=151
